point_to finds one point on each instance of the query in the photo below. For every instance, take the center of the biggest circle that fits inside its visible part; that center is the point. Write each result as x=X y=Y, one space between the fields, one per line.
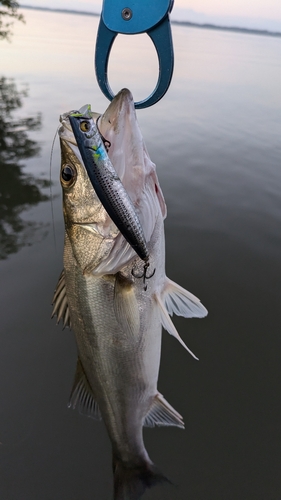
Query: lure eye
x=85 y=126
x=68 y=175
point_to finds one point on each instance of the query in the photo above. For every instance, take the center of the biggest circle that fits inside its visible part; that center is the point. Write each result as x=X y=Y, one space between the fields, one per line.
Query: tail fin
x=130 y=482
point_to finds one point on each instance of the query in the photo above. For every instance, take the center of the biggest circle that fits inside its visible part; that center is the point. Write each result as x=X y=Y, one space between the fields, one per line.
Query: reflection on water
x=18 y=190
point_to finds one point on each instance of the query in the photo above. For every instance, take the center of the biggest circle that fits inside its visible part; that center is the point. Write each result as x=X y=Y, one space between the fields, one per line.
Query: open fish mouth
x=108 y=123
x=65 y=130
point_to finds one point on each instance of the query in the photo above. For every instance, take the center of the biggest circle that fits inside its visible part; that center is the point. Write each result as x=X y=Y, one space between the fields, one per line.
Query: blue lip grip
x=130 y=17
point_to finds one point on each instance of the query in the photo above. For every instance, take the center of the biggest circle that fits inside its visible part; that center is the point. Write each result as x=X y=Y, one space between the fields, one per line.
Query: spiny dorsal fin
x=162 y=413
x=81 y=396
x=61 y=309
x=168 y=324
x=181 y=302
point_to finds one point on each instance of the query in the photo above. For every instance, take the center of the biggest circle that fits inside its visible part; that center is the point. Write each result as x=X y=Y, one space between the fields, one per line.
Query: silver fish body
x=117 y=323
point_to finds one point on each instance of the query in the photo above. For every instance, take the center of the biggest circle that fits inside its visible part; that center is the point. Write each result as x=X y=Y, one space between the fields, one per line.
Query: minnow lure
x=107 y=184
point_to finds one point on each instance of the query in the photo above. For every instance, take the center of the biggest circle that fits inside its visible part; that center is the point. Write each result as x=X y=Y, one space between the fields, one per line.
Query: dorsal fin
x=162 y=413
x=61 y=309
x=81 y=396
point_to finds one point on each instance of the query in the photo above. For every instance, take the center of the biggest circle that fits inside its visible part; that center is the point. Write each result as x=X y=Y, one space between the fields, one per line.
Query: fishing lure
x=107 y=184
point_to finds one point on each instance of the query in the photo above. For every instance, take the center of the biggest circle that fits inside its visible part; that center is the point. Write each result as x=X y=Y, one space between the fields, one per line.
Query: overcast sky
x=263 y=14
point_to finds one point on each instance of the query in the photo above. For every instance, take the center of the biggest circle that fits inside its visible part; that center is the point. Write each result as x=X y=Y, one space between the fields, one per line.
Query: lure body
x=107 y=184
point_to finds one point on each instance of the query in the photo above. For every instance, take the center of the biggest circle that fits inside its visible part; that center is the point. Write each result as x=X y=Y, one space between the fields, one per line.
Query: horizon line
x=235 y=29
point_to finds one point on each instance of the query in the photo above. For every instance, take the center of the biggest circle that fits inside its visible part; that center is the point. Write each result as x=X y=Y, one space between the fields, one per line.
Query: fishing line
x=51 y=192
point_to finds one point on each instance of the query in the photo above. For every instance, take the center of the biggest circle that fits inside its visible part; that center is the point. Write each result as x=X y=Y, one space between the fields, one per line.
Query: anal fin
x=81 y=396
x=162 y=413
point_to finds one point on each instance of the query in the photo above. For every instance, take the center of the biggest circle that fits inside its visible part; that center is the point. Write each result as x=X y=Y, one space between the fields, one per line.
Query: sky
x=259 y=14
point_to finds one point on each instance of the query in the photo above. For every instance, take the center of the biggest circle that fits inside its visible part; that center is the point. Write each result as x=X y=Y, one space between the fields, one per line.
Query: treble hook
x=144 y=274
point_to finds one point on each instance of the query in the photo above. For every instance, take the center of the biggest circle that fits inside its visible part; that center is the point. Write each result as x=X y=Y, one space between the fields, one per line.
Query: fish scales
x=116 y=321
x=108 y=356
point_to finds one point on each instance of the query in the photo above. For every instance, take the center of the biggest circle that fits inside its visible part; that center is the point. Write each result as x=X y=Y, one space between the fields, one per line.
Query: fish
x=100 y=295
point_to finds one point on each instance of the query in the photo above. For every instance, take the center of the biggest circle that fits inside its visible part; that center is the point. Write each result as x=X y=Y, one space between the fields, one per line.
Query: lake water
x=215 y=138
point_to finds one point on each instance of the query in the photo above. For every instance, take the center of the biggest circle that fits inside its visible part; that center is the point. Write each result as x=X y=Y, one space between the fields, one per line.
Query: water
x=215 y=138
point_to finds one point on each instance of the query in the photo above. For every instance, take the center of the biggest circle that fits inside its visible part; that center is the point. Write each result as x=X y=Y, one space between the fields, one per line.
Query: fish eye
x=68 y=175
x=85 y=126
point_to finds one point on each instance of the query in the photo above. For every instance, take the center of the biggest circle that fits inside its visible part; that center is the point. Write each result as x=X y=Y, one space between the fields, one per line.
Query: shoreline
x=235 y=29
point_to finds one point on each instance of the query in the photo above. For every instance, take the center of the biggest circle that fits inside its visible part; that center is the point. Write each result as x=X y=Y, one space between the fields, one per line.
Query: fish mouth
x=65 y=130
x=119 y=132
x=120 y=107
x=123 y=101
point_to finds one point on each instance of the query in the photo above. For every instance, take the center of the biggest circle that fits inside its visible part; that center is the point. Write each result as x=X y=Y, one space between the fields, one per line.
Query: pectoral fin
x=162 y=413
x=61 y=309
x=81 y=396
